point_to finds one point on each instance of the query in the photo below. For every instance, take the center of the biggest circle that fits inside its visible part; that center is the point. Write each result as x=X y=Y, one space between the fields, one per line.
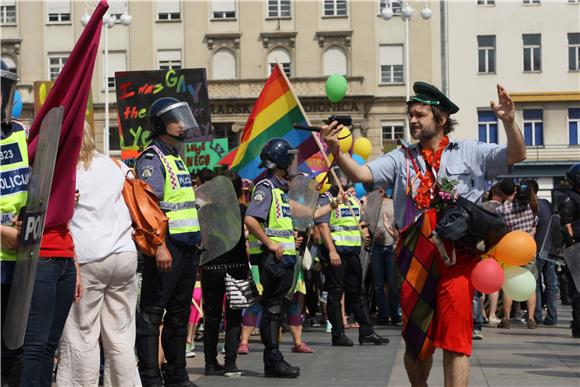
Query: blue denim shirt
x=470 y=162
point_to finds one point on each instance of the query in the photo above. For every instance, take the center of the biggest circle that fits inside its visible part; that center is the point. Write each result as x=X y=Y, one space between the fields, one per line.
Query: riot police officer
x=269 y=222
x=14 y=174
x=569 y=210
x=342 y=267
x=169 y=276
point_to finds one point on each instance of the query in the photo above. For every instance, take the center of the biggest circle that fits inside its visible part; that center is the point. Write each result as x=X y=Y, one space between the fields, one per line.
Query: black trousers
x=346 y=279
x=167 y=297
x=276 y=280
x=11 y=359
x=213 y=290
x=574 y=293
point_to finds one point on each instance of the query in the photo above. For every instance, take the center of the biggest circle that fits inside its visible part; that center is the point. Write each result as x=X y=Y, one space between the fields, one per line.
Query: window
x=573 y=1
x=168 y=10
x=532 y=52
x=279 y=8
x=117 y=62
x=396 y=6
x=223 y=9
x=485 y=2
x=7 y=11
x=530 y=2
x=224 y=64
x=487 y=126
x=533 y=127
x=58 y=11
x=335 y=8
x=486 y=53
x=391 y=132
x=169 y=59
x=391 y=64
x=282 y=56
x=334 y=61
x=574 y=51
x=574 y=126
x=55 y=64
x=224 y=130
x=114 y=139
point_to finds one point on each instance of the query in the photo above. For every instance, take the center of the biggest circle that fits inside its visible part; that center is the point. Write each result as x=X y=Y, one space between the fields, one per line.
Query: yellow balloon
x=362 y=147
x=319 y=178
x=345 y=139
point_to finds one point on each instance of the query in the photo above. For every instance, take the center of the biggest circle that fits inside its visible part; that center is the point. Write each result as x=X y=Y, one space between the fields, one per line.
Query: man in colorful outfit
x=169 y=277
x=269 y=222
x=445 y=292
x=341 y=237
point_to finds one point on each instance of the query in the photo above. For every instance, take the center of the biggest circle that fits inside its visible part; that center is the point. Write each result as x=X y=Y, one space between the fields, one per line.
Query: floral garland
x=428 y=180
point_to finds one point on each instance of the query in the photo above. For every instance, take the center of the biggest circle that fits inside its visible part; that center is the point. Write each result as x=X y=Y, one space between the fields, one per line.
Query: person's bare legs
x=296 y=332
x=531 y=306
x=246 y=333
x=493 y=297
x=455 y=369
x=507 y=306
x=418 y=370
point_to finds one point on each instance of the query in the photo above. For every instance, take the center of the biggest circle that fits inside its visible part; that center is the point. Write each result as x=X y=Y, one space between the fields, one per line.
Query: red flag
x=71 y=91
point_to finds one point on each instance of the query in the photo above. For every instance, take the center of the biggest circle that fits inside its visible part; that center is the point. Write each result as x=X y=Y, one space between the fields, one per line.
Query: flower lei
x=428 y=180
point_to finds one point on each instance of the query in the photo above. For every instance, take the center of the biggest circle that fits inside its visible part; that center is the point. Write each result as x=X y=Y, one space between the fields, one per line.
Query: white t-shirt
x=101 y=224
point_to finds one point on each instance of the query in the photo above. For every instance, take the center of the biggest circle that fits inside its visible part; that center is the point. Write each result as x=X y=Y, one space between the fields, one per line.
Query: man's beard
x=422 y=134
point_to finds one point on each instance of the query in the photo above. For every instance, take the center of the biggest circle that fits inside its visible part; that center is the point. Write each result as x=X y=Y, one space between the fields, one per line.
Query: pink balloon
x=487 y=276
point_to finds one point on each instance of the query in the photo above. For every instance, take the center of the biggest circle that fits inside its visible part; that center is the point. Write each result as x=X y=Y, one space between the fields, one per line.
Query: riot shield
x=572 y=258
x=219 y=217
x=372 y=211
x=552 y=243
x=302 y=197
x=32 y=219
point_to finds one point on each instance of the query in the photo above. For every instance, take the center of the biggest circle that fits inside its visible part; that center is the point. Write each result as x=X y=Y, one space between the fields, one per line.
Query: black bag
x=469 y=224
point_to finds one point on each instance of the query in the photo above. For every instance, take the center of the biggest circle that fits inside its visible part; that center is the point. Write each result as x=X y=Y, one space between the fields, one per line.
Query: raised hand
x=504 y=109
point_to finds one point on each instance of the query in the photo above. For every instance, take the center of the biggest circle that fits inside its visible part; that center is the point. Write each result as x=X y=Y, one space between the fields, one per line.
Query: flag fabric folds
x=275 y=111
x=71 y=91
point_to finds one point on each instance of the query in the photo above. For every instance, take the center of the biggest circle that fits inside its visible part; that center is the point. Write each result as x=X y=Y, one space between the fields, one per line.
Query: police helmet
x=8 y=81
x=277 y=152
x=167 y=110
x=573 y=175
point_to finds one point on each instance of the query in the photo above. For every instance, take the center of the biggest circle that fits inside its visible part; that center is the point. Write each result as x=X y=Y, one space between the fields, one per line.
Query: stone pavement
x=547 y=356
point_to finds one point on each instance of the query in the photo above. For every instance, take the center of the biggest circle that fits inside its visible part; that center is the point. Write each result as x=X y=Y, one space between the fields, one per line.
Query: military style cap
x=430 y=95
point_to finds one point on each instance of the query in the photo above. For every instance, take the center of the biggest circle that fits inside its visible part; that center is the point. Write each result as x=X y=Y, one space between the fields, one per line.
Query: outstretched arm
x=505 y=110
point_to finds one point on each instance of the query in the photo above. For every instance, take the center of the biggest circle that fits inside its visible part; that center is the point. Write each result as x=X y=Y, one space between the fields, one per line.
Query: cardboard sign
x=200 y=155
x=41 y=90
x=137 y=90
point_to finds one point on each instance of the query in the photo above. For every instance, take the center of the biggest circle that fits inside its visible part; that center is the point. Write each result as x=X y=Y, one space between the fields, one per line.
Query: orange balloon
x=516 y=248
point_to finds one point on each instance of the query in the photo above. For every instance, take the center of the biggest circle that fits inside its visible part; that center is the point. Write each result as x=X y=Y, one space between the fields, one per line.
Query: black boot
x=341 y=341
x=372 y=338
x=282 y=370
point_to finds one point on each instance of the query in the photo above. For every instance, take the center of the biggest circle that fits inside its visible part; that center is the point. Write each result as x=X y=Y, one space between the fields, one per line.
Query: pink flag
x=71 y=91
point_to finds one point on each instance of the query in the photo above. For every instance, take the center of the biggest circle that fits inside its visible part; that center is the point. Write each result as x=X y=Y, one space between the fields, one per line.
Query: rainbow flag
x=275 y=111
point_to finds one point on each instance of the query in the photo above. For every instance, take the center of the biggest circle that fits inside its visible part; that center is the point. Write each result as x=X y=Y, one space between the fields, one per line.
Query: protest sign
x=41 y=90
x=200 y=155
x=137 y=90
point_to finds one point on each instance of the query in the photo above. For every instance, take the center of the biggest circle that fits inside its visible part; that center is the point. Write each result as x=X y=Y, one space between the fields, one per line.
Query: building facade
x=237 y=41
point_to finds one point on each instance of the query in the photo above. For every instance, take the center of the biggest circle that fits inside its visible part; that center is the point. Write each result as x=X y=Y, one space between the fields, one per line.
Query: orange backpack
x=149 y=222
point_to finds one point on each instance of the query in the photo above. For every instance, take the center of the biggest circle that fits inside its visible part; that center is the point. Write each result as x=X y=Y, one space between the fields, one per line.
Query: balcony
x=251 y=88
x=553 y=152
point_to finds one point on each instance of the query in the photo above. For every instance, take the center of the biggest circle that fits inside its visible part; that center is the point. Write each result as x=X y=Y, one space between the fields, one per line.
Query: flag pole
x=319 y=144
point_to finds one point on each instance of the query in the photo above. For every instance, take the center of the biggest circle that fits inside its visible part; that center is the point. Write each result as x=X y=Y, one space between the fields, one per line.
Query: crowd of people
x=98 y=299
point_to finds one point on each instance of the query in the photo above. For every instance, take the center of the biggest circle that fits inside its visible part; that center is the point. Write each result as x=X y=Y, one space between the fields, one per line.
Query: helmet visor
x=180 y=114
x=8 y=90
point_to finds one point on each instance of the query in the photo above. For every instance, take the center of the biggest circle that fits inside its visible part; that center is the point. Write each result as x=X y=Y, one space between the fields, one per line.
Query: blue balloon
x=17 y=105
x=359 y=190
x=359 y=160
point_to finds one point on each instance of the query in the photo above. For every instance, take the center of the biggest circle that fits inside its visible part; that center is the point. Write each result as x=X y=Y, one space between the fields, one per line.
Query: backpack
x=149 y=222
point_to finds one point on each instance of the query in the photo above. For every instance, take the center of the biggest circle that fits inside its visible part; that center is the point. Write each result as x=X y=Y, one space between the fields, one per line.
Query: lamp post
x=109 y=22
x=406 y=13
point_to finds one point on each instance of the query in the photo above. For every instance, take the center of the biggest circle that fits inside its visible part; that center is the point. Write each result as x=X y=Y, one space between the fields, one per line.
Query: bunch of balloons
x=501 y=267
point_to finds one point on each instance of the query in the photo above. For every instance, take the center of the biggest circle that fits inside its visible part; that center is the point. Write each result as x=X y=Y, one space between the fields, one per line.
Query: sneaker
x=328 y=327
x=372 y=338
x=314 y=322
x=189 y=347
x=282 y=370
x=214 y=369
x=494 y=320
x=504 y=324
x=532 y=324
x=232 y=371
x=223 y=351
x=302 y=348
x=243 y=349
x=477 y=335
x=341 y=341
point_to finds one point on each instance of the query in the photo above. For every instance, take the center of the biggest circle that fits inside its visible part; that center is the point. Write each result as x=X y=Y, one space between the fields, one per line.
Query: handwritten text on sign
x=200 y=155
x=137 y=90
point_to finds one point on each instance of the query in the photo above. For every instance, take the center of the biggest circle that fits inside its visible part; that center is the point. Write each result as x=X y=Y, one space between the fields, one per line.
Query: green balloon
x=519 y=283
x=336 y=87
